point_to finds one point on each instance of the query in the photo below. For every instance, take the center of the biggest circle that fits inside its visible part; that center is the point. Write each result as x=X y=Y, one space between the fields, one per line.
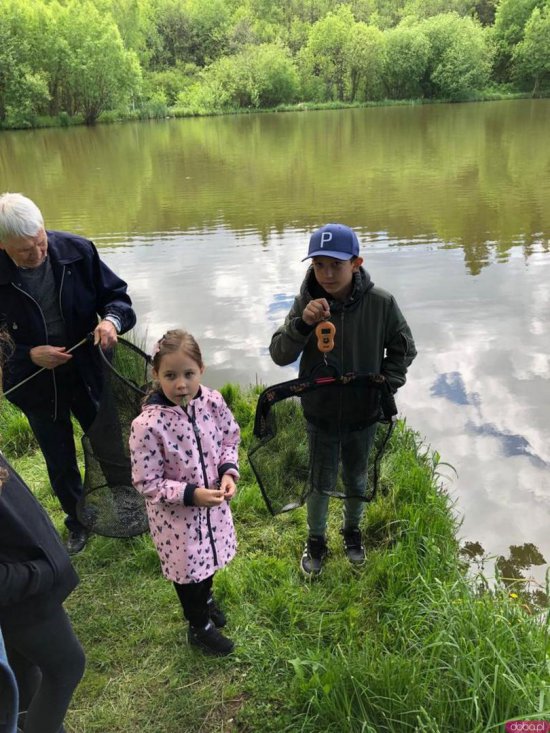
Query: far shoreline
x=178 y=112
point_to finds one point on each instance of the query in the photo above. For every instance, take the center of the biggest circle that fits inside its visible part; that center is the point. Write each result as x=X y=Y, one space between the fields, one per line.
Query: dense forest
x=64 y=61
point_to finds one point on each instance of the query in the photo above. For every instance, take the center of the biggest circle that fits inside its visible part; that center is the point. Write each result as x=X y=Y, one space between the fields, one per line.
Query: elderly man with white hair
x=54 y=291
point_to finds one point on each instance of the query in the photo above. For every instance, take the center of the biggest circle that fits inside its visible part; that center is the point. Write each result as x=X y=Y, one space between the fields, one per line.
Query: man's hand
x=208 y=497
x=316 y=311
x=105 y=335
x=49 y=357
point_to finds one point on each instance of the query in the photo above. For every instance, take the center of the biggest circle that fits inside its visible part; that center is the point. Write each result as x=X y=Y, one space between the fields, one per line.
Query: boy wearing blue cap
x=371 y=336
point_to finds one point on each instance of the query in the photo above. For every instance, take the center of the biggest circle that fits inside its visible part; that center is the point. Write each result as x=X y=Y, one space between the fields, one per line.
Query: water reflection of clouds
x=511 y=445
x=478 y=389
x=220 y=292
x=281 y=305
x=451 y=386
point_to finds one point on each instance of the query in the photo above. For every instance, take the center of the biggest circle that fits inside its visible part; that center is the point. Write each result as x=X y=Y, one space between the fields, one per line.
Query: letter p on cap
x=325 y=238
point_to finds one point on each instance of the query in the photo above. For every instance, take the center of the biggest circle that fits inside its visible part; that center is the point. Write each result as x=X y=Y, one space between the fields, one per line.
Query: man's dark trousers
x=56 y=438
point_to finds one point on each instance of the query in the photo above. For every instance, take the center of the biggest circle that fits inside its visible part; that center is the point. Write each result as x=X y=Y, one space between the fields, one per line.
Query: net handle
x=137 y=350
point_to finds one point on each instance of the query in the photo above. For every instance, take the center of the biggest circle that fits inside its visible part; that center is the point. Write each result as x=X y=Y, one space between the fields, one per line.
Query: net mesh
x=280 y=454
x=110 y=505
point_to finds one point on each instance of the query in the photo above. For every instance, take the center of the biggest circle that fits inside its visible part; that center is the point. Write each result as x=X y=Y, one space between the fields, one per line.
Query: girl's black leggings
x=48 y=663
x=194 y=600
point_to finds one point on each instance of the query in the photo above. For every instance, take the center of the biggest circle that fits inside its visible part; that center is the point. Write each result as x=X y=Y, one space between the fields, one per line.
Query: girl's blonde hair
x=175 y=340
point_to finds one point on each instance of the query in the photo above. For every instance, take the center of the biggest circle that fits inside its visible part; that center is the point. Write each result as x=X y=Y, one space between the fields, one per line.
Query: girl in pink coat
x=184 y=448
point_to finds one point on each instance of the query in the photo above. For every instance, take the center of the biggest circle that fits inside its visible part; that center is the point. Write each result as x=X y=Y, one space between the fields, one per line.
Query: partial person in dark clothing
x=36 y=576
x=8 y=693
x=53 y=288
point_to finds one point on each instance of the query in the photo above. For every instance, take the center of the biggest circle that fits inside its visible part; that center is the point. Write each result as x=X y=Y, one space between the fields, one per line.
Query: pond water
x=208 y=219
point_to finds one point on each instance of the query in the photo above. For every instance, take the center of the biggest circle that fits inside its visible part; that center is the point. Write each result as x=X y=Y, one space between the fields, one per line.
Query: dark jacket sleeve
x=20 y=581
x=112 y=296
x=289 y=340
x=400 y=348
x=36 y=574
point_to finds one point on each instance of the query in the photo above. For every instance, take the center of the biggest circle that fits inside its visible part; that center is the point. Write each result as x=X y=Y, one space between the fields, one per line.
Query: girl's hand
x=208 y=497
x=228 y=486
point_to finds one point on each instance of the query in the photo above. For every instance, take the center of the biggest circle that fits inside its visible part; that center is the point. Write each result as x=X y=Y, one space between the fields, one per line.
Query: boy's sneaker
x=353 y=546
x=215 y=613
x=210 y=640
x=314 y=556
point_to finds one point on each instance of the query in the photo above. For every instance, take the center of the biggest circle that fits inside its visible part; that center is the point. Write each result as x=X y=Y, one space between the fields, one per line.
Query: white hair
x=19 y=216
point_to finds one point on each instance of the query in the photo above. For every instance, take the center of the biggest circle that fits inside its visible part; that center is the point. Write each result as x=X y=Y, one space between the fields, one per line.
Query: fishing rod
x=43 y=369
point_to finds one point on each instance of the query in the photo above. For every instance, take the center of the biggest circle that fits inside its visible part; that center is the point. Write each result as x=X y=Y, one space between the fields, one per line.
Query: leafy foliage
x=459 y=61
x=258 y=76
x=531 y=56
x=151 y=58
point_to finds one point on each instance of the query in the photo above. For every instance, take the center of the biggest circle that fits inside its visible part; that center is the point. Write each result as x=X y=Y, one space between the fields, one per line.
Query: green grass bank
x=407 y=643
x=161 y=112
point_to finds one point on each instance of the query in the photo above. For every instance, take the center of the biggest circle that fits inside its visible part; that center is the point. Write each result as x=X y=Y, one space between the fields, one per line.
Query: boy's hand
x=228 y=486
x=316 y=311
x=208 y=497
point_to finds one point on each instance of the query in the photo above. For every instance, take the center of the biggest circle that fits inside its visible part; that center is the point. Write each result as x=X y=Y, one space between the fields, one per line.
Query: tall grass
x=16 y=437
x=406 y=643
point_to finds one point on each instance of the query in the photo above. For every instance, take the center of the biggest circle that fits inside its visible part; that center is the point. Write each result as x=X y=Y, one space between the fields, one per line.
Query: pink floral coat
x=170 y=452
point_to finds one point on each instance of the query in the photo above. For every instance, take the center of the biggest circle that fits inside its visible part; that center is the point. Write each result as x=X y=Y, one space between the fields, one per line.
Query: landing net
x=280 y=453
x=110 y=505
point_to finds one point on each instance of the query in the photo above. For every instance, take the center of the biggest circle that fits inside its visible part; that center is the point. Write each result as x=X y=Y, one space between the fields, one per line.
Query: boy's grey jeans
x=326 y=450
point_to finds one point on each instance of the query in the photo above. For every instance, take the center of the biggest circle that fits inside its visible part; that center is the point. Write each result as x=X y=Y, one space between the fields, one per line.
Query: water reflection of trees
x=510 y=572
x=473 y=176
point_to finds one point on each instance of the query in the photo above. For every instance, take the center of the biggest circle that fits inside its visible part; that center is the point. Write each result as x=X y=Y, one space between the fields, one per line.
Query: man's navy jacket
x=86 y=288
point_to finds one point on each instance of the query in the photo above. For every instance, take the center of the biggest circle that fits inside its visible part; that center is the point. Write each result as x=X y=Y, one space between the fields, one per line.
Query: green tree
x=326 y=51
x=192 y=31
x=364 y=52
x=510 y=20
x=134 y=19
x=258 y=76
x=531 y=56
x=459 y=61
x=23 y=83
x=406 y=53
x=100 y=73
x=485 y=10
x=422 y=9
x=249 y=30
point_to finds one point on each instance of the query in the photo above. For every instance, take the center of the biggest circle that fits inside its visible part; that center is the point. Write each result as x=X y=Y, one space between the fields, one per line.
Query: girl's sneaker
x=210 y=640
x=217 y=616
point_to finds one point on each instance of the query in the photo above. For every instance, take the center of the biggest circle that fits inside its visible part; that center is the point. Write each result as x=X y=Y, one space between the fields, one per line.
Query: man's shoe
x=353 y=546
x=210 y=640
x=76 y=541
x=314 y=556
x=217 y=616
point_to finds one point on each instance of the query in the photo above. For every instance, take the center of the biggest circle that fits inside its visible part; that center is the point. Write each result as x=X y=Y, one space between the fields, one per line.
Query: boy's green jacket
x=372 y=336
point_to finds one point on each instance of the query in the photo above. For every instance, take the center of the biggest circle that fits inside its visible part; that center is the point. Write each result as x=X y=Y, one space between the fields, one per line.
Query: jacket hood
x=362 y=283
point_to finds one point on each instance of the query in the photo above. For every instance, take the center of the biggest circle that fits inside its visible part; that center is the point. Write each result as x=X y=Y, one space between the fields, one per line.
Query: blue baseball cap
x=333 y=240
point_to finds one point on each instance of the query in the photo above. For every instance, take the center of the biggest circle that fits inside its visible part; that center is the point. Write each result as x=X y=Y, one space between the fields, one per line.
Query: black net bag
x=110 y=505
x=281 y=454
